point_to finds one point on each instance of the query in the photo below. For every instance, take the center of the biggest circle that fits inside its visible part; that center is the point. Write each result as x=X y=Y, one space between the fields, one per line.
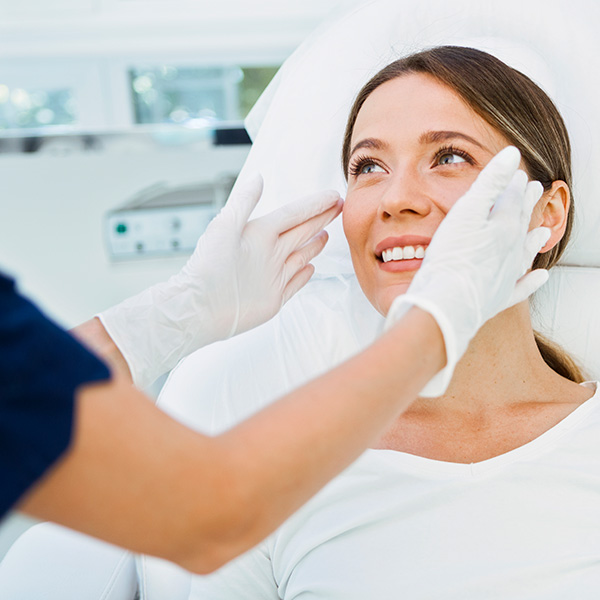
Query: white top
x=523 y=525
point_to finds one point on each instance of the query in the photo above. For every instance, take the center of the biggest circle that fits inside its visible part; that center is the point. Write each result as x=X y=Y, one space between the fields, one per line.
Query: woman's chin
x=384 y=300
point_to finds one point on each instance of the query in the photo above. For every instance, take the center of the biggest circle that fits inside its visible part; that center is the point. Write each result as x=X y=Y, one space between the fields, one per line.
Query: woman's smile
x=398 y=254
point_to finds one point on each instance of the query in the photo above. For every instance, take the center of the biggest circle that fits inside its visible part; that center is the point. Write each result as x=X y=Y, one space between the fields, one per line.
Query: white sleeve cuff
x=438 y=384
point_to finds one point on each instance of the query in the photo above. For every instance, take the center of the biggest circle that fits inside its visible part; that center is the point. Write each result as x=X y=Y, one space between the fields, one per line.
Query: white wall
x=108 y=27
x=51 y=221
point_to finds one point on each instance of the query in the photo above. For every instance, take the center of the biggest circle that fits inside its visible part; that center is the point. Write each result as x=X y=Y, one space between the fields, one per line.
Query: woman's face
x=416 y=149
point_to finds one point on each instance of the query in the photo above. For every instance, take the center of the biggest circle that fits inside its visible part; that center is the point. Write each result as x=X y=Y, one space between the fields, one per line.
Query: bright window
x=196 y=95
x=35 y=108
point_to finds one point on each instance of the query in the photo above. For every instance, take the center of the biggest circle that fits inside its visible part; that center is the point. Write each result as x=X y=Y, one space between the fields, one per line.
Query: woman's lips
x=401 y=241
x=398 y=266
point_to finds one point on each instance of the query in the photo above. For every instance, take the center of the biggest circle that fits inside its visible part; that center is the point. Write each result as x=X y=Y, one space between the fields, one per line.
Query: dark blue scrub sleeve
x=41 y=366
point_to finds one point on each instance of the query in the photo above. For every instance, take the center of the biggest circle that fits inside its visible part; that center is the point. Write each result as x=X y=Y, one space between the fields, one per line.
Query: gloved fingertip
x=297 y=282
x=518 y=183
x=308 y=271
x=510 y=201
x=322 y=237
x=536 y=279
x=535 y=188
x=253 y=184
x=539 y=237
x=502 y=167
x=533 y=193
x=543 y=275
x=331 y=198
x=333 y=211
x=245 y=196
x=319 y=206
x=509 y=157
x=494 y=179
x=504 y=163
x=314 y=247
x=545 y=234
x=321 y=202
x=521 y=178
x=528 y=285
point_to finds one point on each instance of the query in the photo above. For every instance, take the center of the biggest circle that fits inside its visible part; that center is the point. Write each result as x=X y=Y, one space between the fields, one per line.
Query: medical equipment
x=163 y=220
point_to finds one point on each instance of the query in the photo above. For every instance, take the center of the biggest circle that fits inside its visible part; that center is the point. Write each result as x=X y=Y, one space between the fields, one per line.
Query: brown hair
x=515 y=106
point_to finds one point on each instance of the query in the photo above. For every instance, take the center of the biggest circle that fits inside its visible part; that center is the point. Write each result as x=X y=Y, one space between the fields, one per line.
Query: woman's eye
x=449 y=158
x=364 y=165
x=370 y=168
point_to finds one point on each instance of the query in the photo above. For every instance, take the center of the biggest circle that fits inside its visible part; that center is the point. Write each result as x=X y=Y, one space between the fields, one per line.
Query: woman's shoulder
x=217 y=386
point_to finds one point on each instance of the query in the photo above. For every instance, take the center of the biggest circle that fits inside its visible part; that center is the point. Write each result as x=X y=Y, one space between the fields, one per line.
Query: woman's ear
x=552 y=211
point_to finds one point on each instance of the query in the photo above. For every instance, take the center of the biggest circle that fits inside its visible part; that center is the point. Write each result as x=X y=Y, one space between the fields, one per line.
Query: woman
x=491 y=490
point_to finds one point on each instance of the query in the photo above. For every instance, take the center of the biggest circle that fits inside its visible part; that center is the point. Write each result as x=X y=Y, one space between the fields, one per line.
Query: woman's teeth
x=405 y=253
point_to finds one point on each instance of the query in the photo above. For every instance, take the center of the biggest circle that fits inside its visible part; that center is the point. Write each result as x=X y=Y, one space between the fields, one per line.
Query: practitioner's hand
x=240 y=275
x=477 y=261
x=249 y=269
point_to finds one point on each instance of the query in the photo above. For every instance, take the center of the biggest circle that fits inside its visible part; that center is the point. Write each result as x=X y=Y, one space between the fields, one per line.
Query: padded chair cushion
x=55 y=563
x=567 y=310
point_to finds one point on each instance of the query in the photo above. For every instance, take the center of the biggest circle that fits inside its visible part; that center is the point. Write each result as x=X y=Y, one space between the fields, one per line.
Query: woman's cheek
x=450 y=190
x=353 y=220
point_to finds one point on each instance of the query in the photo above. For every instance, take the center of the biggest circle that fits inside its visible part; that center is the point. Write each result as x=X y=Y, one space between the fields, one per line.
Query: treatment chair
x=297 y=128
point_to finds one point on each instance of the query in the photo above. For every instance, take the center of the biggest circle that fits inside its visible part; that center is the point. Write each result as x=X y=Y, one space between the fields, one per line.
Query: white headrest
x=298 y=123
x=566 y=310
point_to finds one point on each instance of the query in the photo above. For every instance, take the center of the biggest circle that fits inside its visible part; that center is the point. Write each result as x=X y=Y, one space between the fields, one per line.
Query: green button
x=121 y=228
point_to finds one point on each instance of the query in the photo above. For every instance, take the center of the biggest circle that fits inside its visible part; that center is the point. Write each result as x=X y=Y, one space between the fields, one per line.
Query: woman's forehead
x=408 y=106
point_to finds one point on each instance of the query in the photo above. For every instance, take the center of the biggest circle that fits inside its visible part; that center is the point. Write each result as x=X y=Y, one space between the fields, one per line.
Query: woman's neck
x=502 y=396
x=501 y=367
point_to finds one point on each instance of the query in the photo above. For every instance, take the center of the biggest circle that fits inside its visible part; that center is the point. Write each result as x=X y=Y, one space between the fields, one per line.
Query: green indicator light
x=121 y=228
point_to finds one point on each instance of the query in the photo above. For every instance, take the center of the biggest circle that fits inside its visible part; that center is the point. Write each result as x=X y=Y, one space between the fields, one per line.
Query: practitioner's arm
x=139 y=479
x=94 y=335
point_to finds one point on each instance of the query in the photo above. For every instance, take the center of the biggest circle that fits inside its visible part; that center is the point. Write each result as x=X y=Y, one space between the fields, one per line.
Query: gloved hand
x=239 y=276
x=476 y=263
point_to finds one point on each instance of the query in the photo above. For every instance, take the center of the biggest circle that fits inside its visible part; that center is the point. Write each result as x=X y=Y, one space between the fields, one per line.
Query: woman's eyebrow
x=372 y=143
x=434 y=137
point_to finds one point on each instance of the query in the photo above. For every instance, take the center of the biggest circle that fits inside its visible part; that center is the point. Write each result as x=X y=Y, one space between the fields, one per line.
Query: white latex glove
x=239 y=276
x=476 y=264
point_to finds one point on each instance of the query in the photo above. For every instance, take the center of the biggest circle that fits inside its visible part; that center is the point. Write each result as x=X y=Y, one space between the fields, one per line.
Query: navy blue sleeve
x=41 y=366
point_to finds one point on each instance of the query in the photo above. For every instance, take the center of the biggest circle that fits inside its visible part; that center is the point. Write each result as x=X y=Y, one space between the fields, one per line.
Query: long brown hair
x=515 y=106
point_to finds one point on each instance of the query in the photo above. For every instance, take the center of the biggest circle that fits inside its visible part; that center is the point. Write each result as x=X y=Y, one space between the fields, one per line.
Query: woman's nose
x=405 y=196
